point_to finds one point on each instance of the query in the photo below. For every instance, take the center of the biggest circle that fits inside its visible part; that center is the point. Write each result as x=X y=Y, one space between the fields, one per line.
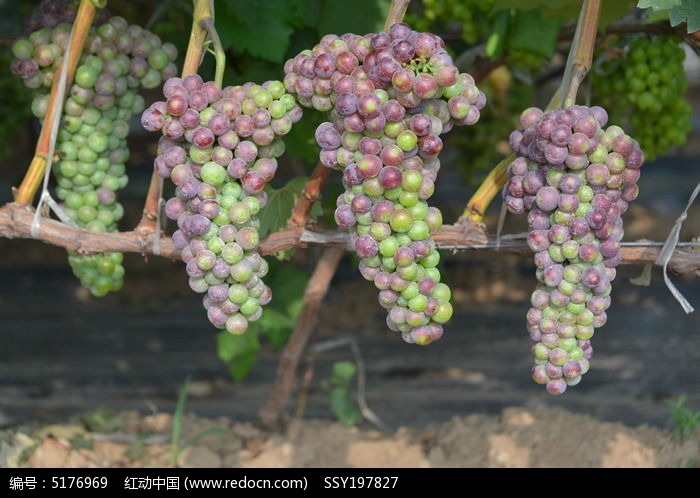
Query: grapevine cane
x=31 y=181
x=15 y=223
x=577 y=65
x=310 y=194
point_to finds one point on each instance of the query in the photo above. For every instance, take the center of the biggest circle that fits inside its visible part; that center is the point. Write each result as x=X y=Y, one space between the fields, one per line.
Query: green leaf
x=679 y=11
x=300 y=141
x=306 y=11
x=276 y=326
x=356 y=16
x=689 y=12
x=568 y=10
x=532 y=33
x=343 y=372
x=288 y=283
x=280 y=202
x=255 y=26
x=496 y=39
x=658 y=4
x=179 y=413
x=344 y=407
x=239 y=352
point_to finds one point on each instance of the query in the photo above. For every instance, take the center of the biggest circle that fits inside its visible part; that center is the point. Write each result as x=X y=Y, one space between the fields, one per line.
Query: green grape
x=643 y=88
x=92 y=140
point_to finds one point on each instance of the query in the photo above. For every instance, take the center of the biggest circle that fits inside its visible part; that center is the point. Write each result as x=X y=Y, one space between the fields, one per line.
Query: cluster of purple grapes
x=390 y=95
x=117 y=60
x=574 y=179
x=219 y=147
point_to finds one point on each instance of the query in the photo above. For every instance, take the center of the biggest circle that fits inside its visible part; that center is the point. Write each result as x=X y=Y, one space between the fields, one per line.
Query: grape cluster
x=574 y=179
x=390 y=95
x=91 y=144
x=644 y=91
x=219 y=147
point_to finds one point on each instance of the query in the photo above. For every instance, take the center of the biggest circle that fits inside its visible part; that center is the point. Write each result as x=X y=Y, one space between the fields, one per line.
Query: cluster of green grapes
x=91 y=144
x=643 y=89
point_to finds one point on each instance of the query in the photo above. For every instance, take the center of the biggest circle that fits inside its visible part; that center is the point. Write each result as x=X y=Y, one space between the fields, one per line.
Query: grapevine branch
x=16 y=221
x=32 y=179
x=315 y=291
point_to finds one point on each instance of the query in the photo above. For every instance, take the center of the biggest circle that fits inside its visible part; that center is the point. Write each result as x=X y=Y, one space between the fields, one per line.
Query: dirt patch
x=540 y=437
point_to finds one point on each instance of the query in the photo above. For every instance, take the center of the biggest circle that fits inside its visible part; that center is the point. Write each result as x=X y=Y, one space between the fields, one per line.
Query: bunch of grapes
x=91 y=144
x=219 y=147
x=574 y=179
x=390 y=96
x=644 y=90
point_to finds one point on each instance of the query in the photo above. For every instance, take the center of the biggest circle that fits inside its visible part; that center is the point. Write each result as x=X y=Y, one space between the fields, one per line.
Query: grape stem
x=16 y=222
x=397 y=11
x=219 y=54
x=203 y=10
x=577 y=65
x=581 y=52
x=25 y=193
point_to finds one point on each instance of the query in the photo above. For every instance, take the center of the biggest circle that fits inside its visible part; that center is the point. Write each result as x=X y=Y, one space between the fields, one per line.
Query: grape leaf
x=343 y=372
x=288 y=283
x=255 y=27
x=356 y=16
x=300 y=141
x=343 y=405
x=280 y=202
x=532 y=33
x=689 y=12
x=276 y=326
x=497 y=37
x=568 y=10
x=239 y=352
x=679 y=11
x=658 y=4
x=306 y=11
